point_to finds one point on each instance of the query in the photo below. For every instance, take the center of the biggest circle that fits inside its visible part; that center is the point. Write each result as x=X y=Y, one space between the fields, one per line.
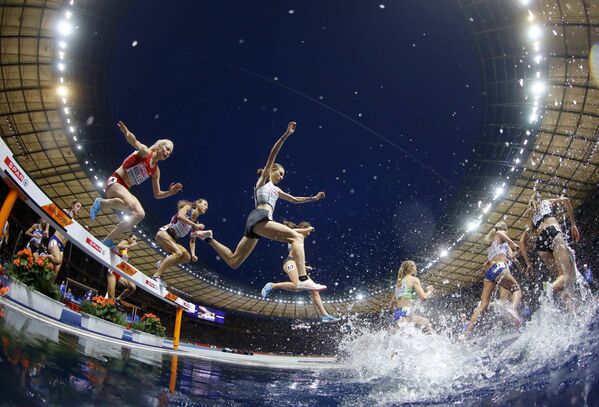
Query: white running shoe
x=158 y=263
x=202 y=234
x=310 y=285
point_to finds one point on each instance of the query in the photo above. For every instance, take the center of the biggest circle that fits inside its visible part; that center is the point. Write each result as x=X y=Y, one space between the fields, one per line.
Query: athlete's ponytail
x=501 y=225
x=183 y=202
x=533 y=202
x=406 y=268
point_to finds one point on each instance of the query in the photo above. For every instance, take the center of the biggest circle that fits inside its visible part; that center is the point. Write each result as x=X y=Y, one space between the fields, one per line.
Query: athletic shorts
x=256 y=216
x=115 y=179
x=54 y=241
x=402 y=312
x=116 y=276
x=545 y=239
x=495 y=271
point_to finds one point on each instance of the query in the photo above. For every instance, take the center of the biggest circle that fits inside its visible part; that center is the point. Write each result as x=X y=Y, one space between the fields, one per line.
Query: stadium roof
x=64 y=139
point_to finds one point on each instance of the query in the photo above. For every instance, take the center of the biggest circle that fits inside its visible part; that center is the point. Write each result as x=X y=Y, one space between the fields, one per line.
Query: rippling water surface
x=554 y=360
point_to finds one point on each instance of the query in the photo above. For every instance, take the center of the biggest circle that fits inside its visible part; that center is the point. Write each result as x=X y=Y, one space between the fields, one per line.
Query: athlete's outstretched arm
x=523 y=252
x=124 y=244
x=158 y=193
x=142 y=149
x=192 y=248
x=264 y=178
x=566 y=203
x=182 y=216
x=300 y=199
x=423 y=295
x=507 y=239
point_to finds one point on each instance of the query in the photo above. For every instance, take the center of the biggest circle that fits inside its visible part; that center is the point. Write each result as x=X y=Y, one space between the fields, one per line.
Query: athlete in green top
x=408 y=289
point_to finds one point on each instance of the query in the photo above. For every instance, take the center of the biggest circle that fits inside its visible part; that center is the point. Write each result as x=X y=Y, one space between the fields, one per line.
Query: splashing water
x=407 y=366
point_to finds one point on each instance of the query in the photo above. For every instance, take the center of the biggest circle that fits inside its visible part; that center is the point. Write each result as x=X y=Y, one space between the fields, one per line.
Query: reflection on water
x=553 y=362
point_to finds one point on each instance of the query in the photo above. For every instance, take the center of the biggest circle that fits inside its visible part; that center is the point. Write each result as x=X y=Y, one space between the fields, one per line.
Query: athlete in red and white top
x=181 y=224
x=139 y=166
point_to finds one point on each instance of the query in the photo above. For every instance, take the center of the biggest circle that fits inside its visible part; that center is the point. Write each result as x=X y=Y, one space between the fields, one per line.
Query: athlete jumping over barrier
x=139 y=166
x=260 y=222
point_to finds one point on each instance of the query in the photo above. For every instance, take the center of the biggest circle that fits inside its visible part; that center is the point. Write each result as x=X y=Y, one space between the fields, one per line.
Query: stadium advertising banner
x=207 y=314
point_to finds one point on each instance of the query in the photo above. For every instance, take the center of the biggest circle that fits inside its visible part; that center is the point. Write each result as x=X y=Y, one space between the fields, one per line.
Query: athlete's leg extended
x=178 y=254
x=55 y=255
x=291 y=269
x=318 y=302
x=235 y=259
x=485 y=297
x=119 y=197
x=129 y=288
x=111 y=285
x=281 y=233
x=508 y=282
x=564 y=260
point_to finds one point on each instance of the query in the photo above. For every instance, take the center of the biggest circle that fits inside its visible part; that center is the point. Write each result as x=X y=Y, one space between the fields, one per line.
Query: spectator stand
x=78 y=297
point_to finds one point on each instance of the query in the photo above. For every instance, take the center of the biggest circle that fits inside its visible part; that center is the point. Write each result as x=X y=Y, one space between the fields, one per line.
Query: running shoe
x=329 y=318
x=118 y=305
x=95 y=209
x=266 y=290
x=202 y=234
x=310 y=285
x=158 y=263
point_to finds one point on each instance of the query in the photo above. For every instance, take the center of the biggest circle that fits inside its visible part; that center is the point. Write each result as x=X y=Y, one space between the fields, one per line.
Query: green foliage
x=104 y=308
x=150 y=323
x=38 y=275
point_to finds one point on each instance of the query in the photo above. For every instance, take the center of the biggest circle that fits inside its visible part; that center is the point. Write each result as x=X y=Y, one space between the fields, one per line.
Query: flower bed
x=100 y=315
x=149 y=330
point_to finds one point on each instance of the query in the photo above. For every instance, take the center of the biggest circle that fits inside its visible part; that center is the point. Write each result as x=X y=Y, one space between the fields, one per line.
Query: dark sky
x=365 y=81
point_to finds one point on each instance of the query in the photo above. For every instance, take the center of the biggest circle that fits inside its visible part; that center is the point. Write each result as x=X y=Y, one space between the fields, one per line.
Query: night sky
x=367 y=82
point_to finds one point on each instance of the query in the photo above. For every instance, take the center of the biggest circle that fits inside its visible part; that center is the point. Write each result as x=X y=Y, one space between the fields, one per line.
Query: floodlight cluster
x=536 y=88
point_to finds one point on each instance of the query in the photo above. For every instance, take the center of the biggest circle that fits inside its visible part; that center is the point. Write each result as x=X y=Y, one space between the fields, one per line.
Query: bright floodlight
x=71 y=129
x=537 y=88
x=61 y=67
x=64 y=27
x=444 y=253
x=533 y=118
x=486 y=208
x=524 y=2
x=62 y=91
x=498 y=192
x=62 y=44
x=100 y=184
x=535 y=32
x=472 y=225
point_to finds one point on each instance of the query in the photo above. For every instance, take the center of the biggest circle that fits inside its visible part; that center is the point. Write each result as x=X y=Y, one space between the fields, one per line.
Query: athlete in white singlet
x=260 y=222
x=497 y=272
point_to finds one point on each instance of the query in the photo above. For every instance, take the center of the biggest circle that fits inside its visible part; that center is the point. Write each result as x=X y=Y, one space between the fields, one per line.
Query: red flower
x=3 y=291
